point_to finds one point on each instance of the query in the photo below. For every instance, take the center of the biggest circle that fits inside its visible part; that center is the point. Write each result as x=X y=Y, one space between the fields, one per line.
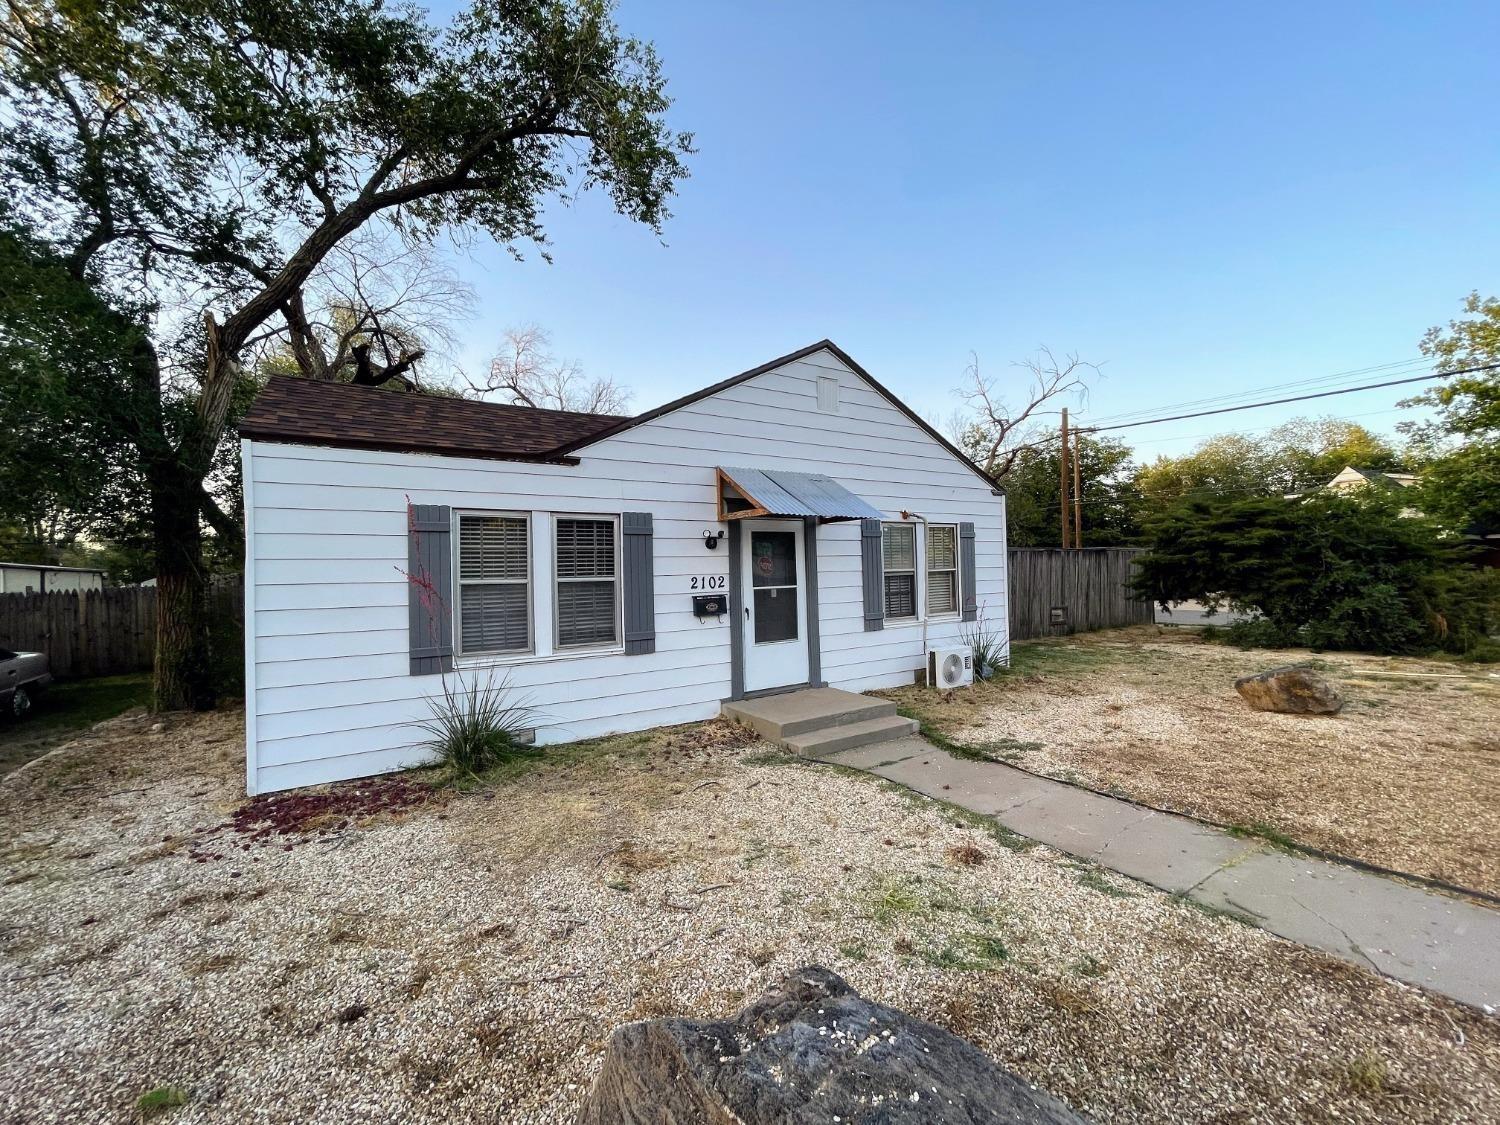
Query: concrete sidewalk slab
x=1439 y=942
x=880 y=754
x=974 y=785
x=1073 y=821
x=1448 y=944
x=1172 y=853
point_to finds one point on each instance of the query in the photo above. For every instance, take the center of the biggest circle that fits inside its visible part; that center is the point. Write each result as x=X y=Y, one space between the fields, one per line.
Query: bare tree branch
x=993 y=431
x=525 y=373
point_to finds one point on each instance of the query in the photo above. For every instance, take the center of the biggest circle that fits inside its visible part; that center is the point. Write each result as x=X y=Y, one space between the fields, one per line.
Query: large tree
x=196 y=162
x=1460 y=446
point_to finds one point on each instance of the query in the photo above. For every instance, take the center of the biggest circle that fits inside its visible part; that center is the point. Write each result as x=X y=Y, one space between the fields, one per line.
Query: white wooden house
x=794 y=525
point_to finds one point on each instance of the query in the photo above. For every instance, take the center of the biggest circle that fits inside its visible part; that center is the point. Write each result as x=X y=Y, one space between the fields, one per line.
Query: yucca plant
x=987 y=646
x=478 y=724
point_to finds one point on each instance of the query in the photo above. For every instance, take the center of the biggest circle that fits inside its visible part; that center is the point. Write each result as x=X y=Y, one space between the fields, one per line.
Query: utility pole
x=1067 y=519
x=1077 y=488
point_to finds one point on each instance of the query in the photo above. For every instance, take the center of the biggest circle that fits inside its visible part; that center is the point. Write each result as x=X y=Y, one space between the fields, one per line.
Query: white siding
x=327 y=635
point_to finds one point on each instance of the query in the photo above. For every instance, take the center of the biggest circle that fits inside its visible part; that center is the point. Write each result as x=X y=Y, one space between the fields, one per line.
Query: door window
x=773 y=577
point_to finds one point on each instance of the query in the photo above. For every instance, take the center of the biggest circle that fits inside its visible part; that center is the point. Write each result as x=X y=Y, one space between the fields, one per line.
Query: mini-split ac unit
x=950 y=667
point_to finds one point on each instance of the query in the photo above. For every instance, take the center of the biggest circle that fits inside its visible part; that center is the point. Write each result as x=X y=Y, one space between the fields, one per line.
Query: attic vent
x=828 y=394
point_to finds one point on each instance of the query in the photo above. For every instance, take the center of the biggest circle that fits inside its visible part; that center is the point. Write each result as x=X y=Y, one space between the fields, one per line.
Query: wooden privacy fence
x=102 y=632
x=1054 y=592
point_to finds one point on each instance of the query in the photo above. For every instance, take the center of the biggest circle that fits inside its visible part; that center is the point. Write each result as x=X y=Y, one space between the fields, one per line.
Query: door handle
x=747 y=613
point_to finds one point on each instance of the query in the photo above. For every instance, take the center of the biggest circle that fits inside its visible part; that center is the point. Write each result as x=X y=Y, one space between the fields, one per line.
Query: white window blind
x=588 y=578
x=942 y=569
x=899 y=544
x=494 y=589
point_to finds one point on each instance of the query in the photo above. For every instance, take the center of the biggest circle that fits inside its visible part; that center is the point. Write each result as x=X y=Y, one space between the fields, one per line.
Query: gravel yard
x=464 y=957
x=1407 y=776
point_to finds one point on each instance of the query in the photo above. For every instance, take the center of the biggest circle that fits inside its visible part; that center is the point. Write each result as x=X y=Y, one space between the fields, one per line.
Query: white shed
x=31 y=578
x=795 y=525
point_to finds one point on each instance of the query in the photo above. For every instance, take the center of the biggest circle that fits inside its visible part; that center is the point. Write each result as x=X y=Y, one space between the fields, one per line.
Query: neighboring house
x=794 y=525
x=1351 y=479
x=31 y=578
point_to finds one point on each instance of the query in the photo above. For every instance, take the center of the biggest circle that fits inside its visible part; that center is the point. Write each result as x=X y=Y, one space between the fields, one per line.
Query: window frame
x=957 y=571
x=915 y=572
x=618 y=644
x=493 y=654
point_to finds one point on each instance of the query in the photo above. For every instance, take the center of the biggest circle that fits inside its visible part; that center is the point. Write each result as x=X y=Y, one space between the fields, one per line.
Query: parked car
x=22 y=676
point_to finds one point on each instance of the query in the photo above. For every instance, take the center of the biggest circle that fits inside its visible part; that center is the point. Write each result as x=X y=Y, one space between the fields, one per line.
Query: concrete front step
x=850 y=736
x=817 y=722
x=775 y=717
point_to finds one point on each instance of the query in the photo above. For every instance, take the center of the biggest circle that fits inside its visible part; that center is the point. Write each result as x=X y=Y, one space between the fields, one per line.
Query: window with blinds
x=899 y=547
x=942 y=569
x=588 y=581
x=494 y=588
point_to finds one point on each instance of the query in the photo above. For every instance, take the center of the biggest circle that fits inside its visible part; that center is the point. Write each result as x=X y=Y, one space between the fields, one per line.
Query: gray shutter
x=639 y=583
x=429 y=591
x=966 y=571
x=872 y=564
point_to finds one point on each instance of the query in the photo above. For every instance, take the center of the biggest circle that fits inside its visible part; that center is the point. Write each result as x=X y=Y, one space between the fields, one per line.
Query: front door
x=774 y=581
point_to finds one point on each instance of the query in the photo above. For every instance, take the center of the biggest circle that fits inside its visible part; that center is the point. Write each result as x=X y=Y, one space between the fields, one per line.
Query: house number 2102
x=708 y=582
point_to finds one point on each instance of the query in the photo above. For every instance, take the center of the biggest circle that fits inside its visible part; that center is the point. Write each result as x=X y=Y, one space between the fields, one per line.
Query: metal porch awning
x=746 y=493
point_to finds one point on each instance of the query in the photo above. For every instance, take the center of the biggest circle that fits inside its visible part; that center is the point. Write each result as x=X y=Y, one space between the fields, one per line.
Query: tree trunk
x=183 y=673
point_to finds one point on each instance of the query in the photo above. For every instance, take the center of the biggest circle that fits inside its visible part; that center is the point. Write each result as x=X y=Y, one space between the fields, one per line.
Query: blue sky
x=1207 y=198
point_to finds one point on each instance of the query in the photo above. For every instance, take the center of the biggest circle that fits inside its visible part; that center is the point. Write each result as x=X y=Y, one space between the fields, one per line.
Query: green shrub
x=1323 y=571
x=477 y=725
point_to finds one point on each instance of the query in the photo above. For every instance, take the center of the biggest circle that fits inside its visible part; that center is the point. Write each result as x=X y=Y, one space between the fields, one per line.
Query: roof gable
x=745 y=376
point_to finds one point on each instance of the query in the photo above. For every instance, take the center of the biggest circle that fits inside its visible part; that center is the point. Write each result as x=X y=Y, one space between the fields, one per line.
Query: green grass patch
x=588 y=756
x=854 y=951
x=62 y=711
x=968 y=952
x=1267 y=833
x=161 y=1100
x=997 y=750
x=1095 y=880
x=76 y=704
x=1214 y=911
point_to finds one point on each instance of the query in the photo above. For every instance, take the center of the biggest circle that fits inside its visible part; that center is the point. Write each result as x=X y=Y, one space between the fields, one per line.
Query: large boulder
x=810 y=1049
x=1293 y=690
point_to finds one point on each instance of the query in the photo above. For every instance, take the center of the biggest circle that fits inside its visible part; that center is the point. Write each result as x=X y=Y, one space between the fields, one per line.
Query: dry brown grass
x=1407 y=776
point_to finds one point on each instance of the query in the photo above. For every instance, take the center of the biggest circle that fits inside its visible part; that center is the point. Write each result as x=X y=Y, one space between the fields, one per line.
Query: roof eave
x=547 y=458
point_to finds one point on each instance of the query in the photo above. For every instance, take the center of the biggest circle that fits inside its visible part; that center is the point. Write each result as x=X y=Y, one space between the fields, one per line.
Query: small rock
x=157 y=728
x=1291 y=690
x=775 y=1063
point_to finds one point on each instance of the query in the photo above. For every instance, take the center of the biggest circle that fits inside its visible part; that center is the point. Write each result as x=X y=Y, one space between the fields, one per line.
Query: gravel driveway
x=465 y=958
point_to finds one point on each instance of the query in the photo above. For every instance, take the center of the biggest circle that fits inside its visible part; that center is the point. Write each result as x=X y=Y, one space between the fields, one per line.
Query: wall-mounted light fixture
x=711 y=539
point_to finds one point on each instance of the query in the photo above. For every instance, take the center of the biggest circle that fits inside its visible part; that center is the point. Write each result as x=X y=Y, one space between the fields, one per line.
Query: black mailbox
x=710 y=605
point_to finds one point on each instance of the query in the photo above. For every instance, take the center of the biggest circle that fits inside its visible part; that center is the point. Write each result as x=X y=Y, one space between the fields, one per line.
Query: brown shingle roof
x=342 y=414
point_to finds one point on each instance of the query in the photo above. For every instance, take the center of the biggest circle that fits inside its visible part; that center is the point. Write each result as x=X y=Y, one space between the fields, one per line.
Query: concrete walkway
x=1447 y=944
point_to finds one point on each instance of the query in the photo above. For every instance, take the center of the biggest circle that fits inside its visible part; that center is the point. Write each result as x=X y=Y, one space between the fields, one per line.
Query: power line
x=1294 y=398
x=1397 y=367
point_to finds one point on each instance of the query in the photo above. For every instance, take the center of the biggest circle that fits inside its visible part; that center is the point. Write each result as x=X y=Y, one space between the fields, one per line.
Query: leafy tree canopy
x=1298 y=455
x=1460 y=478
x=1110 y=499
x=196 y=163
